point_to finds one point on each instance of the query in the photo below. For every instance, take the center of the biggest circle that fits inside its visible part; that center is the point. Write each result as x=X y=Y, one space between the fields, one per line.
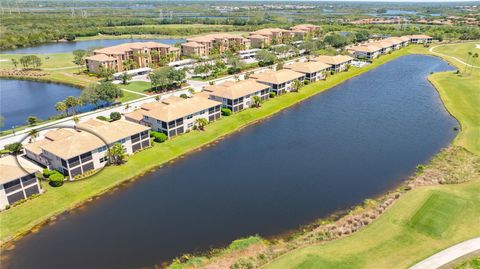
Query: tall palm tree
x=468 y=58
x=32 y=134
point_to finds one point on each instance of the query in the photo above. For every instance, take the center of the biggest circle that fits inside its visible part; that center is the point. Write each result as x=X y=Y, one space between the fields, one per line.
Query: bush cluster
x=226 y=112
x=158 y=137
x=56 y=179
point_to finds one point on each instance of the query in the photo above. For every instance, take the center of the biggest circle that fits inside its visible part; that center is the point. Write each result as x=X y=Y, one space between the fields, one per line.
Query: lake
x=328 y=153
x=22 y=98
x=63 y=47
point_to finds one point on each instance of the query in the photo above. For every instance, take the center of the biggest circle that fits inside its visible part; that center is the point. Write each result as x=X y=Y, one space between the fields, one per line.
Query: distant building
x=420 y=39
x=270 y=36
x=141 y=54
x=75 y=152
x=17 y=181
x=203 y=45
x=280 y=81
x=237 y=96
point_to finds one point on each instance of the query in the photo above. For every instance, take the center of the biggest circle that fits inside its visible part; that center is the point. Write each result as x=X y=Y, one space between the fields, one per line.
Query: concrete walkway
x=448 y=255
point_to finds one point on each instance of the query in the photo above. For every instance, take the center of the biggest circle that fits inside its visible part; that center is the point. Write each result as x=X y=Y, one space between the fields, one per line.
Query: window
x=190 y=125
x=189 y=116
x=103 y=159
x=102 y=149
x=12 y=186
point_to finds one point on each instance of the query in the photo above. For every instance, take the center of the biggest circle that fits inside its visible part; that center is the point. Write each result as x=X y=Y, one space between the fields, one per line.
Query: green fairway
x=437 y=214
x=391 y=241
x=460 y=51
x=54 y=60
x=23 y=217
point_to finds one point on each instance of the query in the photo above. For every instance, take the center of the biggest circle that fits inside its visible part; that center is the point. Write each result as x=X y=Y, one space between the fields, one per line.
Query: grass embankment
x=21 y=218
x=425 y=220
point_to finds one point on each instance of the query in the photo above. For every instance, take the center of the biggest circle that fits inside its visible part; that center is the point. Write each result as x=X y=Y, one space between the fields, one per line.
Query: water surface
x=328 y=153
x=62 y=47
x=22 y=98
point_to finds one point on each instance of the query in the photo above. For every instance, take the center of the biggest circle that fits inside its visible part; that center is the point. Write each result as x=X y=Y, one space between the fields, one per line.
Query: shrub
x=14 y=148
x=272 y=94
x=115 y=116
x=47 y=172
x=56 y=179
x=183 y=95
x=158 y=137
x=233 y=70
x=306 y=82
x=102 y=118
x=226 y=112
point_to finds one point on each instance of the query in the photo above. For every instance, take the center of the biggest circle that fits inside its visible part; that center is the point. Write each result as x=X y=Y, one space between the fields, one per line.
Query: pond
x=328 y=153
x=22 y=98
x=63 y=47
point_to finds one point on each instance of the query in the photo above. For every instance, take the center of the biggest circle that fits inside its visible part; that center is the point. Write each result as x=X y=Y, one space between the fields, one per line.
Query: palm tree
x=468 y=58
x=474 y=61
x=257 y=101
x=61 y=107
x=32 y=134
x=296 y=84
x=201 y=123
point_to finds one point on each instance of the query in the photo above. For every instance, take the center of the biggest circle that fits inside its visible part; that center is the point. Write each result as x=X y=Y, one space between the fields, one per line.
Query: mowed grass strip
x=23 y=217
x=437 y=214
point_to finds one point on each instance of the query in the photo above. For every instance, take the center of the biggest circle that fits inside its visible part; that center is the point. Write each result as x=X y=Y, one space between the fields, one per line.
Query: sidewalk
x=448 y=255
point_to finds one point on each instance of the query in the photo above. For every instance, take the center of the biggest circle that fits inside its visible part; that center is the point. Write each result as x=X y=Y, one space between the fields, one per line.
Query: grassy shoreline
x=19 y=220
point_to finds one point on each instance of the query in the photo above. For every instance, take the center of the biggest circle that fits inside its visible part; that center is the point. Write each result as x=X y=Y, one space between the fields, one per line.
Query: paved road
x=448 y=255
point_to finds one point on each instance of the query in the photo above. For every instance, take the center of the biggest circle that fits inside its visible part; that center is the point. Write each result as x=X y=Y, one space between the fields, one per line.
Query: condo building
x=280 y=81
x=313 y=71
x=237 y=96
x=17 y=180
x=77 y=151
x=174 y=115
x=338 y=63
x=205 y=44
x=270 y=36
x=141 y=54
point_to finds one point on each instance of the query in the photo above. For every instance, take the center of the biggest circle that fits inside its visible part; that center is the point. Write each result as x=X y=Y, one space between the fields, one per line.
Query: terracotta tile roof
x=420 y=37
x=307 y=67
x=35 y=147
x=237 y=89
x=84 y=141
x=122 y=48
x=277 y=77
x=12 y=170
x=59 y=133
x=176 y=110
x=366 y=48
x=212 y=37
x=257 y=37
x=100 y=58
x=333 y=60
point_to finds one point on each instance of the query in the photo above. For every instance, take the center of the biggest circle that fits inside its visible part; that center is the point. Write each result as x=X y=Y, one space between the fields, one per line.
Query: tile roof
x=12 y=170
x=180 y=109
x=277 y=77
x=122 y=48
x=193 y=44
x=100 y=58
x=237 y=89
x=307 y=67
x=333 y=60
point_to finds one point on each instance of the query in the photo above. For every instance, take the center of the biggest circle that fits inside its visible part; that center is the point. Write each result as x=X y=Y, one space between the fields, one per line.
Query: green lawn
x=25 y=216
x=129 y=96
x=419 y=224
x=137 y=86
x=460 y=51
x=54 y=60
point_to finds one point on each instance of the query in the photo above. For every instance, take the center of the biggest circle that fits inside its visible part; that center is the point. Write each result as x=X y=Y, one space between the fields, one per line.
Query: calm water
x=328 y=153
x=62 y=47
x=21 y=98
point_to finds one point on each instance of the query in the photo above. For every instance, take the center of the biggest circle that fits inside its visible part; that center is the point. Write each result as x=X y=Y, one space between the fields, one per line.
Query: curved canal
x=63 y=47
x=330 y=152
x=22 y=98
